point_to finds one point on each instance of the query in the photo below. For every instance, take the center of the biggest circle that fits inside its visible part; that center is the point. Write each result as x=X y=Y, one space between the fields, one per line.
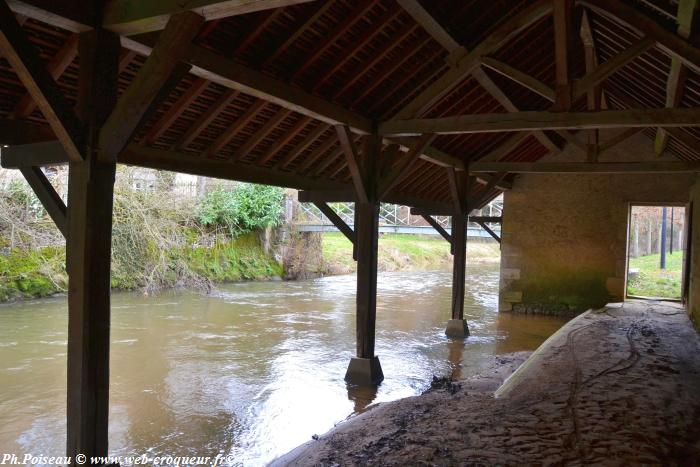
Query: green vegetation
x=402 y=252
x=246 y=209
x=161 y=239
x=654 y=282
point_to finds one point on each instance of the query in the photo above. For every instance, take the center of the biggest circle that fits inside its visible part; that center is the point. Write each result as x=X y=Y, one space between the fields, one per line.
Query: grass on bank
x=651 y=281
x=403 y=252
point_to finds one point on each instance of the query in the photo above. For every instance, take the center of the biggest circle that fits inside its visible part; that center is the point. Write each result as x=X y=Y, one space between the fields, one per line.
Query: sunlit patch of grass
x=652 y=281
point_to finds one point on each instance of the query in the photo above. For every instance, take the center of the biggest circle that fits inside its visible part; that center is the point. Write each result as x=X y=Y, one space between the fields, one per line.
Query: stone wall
x=564 y=236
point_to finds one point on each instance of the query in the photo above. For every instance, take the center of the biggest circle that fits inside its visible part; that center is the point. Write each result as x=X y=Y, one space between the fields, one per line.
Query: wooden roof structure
x=285 y=92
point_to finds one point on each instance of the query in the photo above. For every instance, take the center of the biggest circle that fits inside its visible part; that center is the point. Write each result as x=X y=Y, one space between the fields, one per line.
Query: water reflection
x=252 y=370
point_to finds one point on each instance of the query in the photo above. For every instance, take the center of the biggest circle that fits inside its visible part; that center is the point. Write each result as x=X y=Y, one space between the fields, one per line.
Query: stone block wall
x=564 y=236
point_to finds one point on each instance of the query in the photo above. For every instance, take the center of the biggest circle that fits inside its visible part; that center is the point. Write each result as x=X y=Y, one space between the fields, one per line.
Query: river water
x=253 y=369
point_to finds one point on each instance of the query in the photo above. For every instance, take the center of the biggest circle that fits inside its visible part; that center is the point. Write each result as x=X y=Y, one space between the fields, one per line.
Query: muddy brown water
x=251 y=370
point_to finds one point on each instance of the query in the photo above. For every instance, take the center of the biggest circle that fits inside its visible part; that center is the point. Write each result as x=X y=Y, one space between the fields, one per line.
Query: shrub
x=243 y=210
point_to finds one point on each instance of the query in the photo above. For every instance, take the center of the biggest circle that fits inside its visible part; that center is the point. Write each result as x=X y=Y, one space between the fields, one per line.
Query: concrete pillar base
x=457 y=329
x=364 y=371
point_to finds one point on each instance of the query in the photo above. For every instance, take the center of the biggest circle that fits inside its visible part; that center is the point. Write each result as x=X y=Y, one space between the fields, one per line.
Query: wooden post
x=365 y=369
x=457 y=326
x=459 y=184
x=88 y=248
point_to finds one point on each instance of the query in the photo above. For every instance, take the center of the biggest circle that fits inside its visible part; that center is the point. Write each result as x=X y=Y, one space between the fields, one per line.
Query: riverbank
x=400 y=252
x=619 y=385
x=26 y=274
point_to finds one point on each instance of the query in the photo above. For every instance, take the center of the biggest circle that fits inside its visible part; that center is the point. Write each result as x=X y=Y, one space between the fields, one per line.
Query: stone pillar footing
x=364 y=371
x=457 y=329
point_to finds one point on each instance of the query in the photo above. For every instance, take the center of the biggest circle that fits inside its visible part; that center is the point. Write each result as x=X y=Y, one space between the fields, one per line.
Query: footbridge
x=394 y=218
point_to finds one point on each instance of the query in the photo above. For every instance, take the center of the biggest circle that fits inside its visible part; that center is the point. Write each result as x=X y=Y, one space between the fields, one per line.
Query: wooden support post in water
x=90 y=190
x=365 y=368
x=457 y=326
x=459 y=187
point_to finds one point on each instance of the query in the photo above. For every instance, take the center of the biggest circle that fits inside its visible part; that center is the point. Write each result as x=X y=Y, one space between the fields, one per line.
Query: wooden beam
x=593 y=96
x=88 y=253
x=69 y=15
x=618 y=138
x=427 y=22
x=488 y=219
x=185 y=163
x=58 y=64
x=585 y=167
x=489 y=231
x=525 y=80
x=336 y=221
x=434 y=224
x=398 y=173
x=128 y=17
x=353 y=160
x=606 y=69
x=34 y=155
x=677 y=73
x=13 y=132
x=459 y=263
x=137 y=98
x=562 y=39
x=498 y=94
x=465 y=65
x=669 y=42
x=230 y=74
x=348 y=195
x=525 y=121
x=52 y=202
x=29 y=68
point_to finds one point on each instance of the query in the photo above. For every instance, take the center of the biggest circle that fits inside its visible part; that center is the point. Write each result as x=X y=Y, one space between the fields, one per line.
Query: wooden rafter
x=230 y=132
x=337 y=31
x=281 y=141
x=58 y=64
x=465 y=65
x=525 y=80
x=669 y=42
x=526 y=121
x=172 y=114
x=127 y=17
x=206 y=118
x=399 y=172
x=129 y=112
x=320 y=129
x=36 y=79
x=677 y=73
x=390 y=15
x=260 y=134
x=606 y=69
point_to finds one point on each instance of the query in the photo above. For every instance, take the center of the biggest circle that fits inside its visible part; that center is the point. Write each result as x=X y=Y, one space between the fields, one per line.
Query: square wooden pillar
x=457 y=325
x=88 y=253
x=365 y=368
